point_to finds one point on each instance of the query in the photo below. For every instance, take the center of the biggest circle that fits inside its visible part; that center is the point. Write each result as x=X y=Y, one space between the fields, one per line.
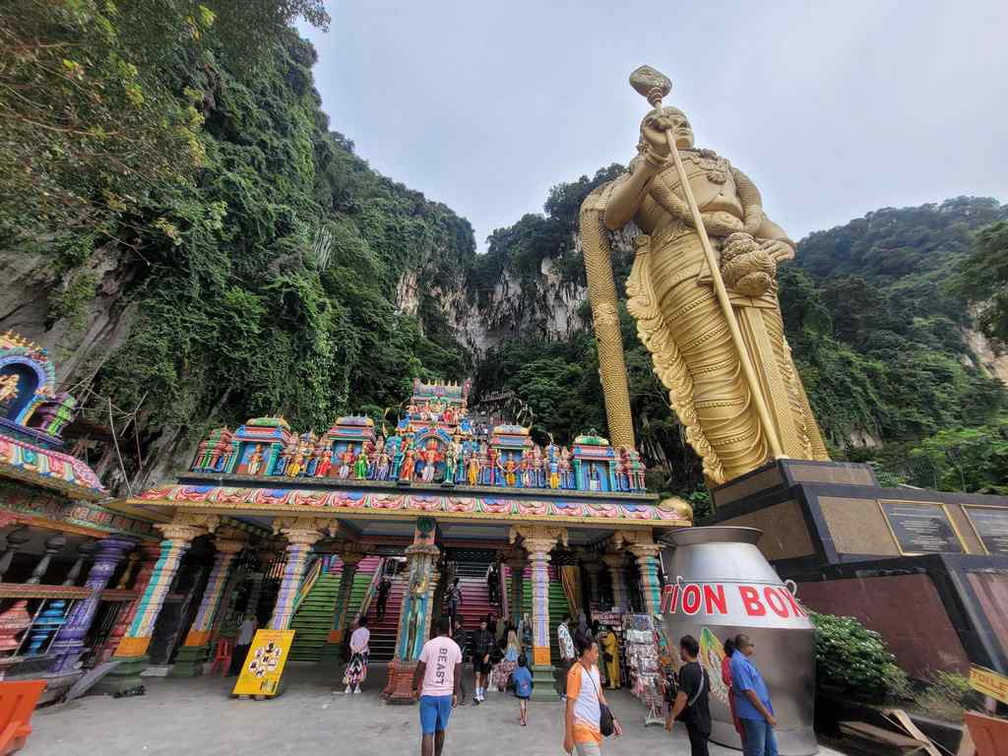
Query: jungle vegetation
x=270 y=270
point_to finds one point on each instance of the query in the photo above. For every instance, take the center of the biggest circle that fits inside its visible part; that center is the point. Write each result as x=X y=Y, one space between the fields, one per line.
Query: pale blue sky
x=834 y=107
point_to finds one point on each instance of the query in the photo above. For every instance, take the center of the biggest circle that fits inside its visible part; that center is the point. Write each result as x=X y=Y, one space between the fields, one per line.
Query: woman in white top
x=356 y=669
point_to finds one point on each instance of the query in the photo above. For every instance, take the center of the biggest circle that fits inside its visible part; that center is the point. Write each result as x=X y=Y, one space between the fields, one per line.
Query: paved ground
x=197 y=716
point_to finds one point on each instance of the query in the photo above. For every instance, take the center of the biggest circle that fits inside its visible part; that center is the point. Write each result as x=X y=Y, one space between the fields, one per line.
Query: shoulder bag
x=606 y=725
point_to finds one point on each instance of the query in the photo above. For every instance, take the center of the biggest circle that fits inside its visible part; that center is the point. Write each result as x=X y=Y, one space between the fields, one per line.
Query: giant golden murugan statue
x=704 y=293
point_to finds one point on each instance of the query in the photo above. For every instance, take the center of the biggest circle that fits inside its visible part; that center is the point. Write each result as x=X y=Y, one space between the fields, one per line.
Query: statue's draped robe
x=682 y=324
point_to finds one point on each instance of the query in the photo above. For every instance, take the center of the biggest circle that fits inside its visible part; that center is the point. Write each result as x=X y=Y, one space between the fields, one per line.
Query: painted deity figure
x=510 y=470
x=636 y=471
x=397 y=462
x=698 y=354
x=491 y=467
x=296 y=464
x=526 y=470
x=566 y=471
x=382 y=465
x=594 y=479
x=346 y=462
x=554 y=473
x=324 y=464
x=430 y=465
x=449 y=464
x=361 y=465
x=473 y=469
x=255 y=461
x=406 y=470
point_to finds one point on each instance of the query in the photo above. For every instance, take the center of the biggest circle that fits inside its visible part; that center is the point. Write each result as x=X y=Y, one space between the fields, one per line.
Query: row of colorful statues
x=457 y=462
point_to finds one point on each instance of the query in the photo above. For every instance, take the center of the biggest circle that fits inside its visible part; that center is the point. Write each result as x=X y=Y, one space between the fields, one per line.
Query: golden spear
x=654 y=86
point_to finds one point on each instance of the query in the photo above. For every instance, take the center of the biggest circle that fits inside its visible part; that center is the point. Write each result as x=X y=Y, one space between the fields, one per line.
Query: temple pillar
x=415 y=616
x=302 y=533
x=641 y=544
x=196 y=648
x=69 y=641
x=52 y=547
x=145 y=555
x=84 y=552
x=616 y=563
x=516 y=563
x=132 y=650
x=11 y=542
x=350 y=560
x=538 y=542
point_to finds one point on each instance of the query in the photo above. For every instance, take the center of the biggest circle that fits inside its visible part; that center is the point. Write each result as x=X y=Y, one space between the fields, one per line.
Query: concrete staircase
x=558 y=606
x=314 y=616
x=383 y=631
x=475 y=594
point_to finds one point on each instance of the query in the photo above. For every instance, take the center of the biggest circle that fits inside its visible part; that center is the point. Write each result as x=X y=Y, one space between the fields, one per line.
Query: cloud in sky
x=834 y=108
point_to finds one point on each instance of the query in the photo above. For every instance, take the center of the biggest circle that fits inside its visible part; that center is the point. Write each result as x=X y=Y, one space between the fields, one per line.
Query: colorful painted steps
x=558 y=606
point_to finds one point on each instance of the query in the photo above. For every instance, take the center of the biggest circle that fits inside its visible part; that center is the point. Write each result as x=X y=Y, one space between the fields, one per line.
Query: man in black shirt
x=691 y=704
x=482 y=643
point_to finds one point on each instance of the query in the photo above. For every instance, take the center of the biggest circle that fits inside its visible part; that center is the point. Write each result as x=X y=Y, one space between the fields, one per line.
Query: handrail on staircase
x=502 y=594
x=308 y=582
x=372 y=588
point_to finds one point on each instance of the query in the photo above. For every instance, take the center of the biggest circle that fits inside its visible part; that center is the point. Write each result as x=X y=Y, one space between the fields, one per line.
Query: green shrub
x=855 y=659
x=946 y=695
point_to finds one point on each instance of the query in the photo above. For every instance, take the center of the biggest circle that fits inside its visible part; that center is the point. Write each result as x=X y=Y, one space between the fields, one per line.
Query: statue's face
x=683 y=130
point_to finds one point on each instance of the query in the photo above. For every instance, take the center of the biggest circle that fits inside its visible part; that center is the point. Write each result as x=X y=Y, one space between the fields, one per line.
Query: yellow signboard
x=260 y=675
x=990 y=683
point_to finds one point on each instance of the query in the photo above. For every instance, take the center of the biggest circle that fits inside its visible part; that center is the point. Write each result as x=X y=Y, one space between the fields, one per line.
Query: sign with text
x=990 y=525
x=733 y=600
x=260 y=674
x=921 y=527
x=990 y=683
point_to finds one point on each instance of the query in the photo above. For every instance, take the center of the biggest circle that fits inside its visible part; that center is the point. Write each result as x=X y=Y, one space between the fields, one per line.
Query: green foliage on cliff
x=983 y=280
x=264 y=253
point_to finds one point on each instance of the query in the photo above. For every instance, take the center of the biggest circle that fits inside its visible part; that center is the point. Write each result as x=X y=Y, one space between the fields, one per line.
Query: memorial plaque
x=990 y=525
x=921 y=527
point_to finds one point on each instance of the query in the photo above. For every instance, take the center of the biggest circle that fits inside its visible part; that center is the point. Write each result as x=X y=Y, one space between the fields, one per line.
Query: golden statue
x=704 y=294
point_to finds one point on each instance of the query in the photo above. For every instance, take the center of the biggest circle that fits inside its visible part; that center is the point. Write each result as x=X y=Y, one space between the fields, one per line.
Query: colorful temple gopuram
x=298 y=531
x=72 y=571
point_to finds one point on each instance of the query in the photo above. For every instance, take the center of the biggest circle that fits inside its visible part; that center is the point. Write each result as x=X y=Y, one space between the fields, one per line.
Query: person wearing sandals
x=523 y=688
x=583 y=714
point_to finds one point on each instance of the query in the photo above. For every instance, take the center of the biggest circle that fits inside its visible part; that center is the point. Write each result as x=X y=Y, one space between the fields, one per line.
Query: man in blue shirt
x=752 y=701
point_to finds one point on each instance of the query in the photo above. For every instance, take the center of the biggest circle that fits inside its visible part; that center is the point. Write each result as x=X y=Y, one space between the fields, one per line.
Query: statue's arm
x=628 y=193
x=756 y=221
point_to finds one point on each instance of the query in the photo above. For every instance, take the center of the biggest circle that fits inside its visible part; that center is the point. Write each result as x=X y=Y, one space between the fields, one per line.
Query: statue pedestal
x=399 y=689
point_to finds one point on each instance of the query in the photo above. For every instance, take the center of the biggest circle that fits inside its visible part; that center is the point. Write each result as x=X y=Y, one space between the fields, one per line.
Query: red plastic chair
x=17 y=702
x=222 y=656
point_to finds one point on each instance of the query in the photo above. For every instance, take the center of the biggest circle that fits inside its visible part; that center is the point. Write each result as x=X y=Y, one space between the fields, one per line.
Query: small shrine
x=60 y=546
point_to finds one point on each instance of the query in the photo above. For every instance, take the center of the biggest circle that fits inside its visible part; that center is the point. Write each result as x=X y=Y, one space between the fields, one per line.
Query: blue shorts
x=434 y=713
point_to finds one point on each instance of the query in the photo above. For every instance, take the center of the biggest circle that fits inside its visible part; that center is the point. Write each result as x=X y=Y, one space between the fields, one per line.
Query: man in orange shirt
x=584 y=703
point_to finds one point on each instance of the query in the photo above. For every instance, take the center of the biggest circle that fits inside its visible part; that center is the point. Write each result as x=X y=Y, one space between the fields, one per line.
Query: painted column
x=415 y=617
x=348 y=572
x=594 y=569
x=190 y=657
x=647 y=562
x=538 y=542
x=617 y=571
x=132 y=649
x=301 y=534
x=69 y=642
x=146 y=555
x=52 y=547
x=516 y=565
x=177 y=540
